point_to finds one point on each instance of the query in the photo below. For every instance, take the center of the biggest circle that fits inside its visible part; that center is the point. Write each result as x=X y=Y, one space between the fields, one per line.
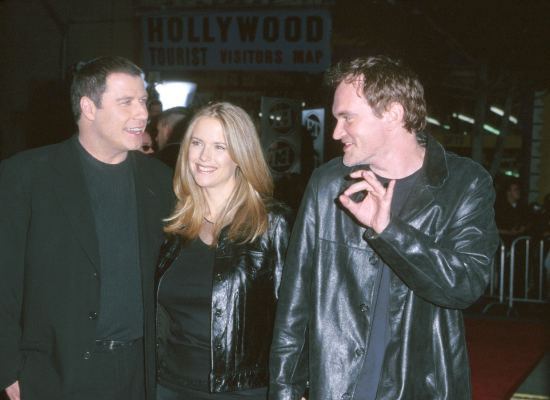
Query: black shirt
x=185 y=292
x=380 y=333
x=113 y=201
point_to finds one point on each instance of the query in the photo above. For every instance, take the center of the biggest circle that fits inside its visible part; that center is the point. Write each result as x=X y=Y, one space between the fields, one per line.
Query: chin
x=349 y=162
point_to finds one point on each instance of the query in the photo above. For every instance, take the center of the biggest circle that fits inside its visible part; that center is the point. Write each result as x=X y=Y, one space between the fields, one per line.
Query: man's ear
x=395 y=113
x=87 y=108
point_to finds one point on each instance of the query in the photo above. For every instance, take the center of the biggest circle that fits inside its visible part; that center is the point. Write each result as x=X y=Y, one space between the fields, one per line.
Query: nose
x=205 y=154
x=140 y=111
x=338 y=132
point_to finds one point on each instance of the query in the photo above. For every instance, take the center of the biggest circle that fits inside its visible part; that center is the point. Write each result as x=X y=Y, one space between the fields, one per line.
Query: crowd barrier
x=520 y=273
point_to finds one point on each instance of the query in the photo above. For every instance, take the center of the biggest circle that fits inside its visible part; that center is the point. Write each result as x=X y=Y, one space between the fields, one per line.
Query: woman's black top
x=185 y=292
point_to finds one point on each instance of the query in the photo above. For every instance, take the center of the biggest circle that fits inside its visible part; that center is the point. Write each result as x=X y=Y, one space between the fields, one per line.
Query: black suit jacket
x=49 y=266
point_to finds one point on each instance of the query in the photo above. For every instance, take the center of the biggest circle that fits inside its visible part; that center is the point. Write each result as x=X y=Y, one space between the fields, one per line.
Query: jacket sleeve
x=15 y=216
x=288 y=368
x=449 y=268
x=280 y=235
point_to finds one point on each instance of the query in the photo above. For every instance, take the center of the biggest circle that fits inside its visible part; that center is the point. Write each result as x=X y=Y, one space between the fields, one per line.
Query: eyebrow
x=193 y=137
x=343 y=113
x=125 y=98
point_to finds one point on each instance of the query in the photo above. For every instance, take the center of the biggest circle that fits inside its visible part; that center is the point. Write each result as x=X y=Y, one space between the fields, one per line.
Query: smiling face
x=209 y=161
x=361 y=132
x=114 y=127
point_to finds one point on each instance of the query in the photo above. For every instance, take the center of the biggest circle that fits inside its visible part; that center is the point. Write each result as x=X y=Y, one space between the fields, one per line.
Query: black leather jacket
x=440 y=251
x=245 y=286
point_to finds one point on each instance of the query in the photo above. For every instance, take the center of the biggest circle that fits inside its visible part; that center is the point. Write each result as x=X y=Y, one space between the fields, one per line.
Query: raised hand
x=374 y=210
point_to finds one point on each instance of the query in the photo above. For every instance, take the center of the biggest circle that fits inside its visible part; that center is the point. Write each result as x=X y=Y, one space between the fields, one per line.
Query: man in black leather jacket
x=390 y=243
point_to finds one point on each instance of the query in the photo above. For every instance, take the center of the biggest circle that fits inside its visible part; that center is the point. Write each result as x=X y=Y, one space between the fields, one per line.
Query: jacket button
x=363 y=307
x=359 y=352
x=87 y=355
x=92 y=315
x=218 y=313
x=219 y=277
x=95 y=275
x=219 y=347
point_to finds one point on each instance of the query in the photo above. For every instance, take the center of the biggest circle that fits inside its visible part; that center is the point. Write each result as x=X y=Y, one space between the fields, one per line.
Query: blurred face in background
x=147 y=143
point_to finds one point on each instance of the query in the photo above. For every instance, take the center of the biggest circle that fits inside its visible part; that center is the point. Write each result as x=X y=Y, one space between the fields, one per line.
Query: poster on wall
x=280 y=135
x=313 y=121
x=267 y=39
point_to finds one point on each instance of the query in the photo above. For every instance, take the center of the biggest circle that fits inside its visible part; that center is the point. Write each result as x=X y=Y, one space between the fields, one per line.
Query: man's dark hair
x=383 y=81
x=90 y=79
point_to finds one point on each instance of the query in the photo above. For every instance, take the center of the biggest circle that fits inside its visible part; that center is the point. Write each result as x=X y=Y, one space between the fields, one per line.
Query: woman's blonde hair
x=245 y=211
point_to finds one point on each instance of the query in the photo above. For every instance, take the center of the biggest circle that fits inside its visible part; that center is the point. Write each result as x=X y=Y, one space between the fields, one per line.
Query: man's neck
x=404 y=156
x=99 y=152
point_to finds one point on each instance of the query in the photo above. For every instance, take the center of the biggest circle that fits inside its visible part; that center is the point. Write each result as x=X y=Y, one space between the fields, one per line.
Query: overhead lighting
x=491 y=129
x=175 y=93
x=447 y=127
x=464 y=118
x=499 y=111
x=432 y=121
x=511 y=173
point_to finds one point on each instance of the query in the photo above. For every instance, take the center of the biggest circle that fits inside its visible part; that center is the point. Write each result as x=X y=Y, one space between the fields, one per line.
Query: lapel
x=70 y=188
x=148 y=214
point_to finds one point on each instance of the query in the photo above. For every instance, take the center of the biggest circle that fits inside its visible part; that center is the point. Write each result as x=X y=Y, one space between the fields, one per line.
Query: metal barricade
x=520 y=273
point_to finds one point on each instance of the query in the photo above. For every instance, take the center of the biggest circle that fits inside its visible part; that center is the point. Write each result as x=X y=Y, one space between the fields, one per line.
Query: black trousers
x=113 y=374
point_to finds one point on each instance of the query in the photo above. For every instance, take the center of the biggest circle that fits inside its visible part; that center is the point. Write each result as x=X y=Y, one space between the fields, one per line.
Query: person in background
x=171 y=126
x=220 y=268
x=512 y=215
x=155 y=108
x=147 y=143
x=80 y=227
x=391 y=242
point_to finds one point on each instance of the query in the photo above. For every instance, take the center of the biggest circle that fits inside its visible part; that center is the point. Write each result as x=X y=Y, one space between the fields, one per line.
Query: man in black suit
x=80 y=229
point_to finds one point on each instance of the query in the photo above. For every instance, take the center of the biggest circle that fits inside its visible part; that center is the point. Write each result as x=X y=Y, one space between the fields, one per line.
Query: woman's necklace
x=208 y=221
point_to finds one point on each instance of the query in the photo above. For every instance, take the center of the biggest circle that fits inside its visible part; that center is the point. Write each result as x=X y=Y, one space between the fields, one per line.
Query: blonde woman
x=220 y=269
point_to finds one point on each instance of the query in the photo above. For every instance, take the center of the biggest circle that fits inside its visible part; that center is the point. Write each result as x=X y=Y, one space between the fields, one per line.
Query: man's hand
x=13 y=391
x=374 y=210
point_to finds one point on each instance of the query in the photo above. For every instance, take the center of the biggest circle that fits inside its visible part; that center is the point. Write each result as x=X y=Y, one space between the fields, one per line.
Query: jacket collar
x=435 y=163
x=434 y=174
x=70 y=187
x=147 y=203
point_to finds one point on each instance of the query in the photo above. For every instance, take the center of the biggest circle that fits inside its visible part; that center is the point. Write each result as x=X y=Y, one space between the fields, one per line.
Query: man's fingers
x=358 y=173
x=13 y=391
x=389 y=189
x=348 y=203
x=358 y=187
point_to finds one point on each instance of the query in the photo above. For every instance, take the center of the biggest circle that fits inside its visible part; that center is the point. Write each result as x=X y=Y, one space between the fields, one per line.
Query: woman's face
x=208 y=157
